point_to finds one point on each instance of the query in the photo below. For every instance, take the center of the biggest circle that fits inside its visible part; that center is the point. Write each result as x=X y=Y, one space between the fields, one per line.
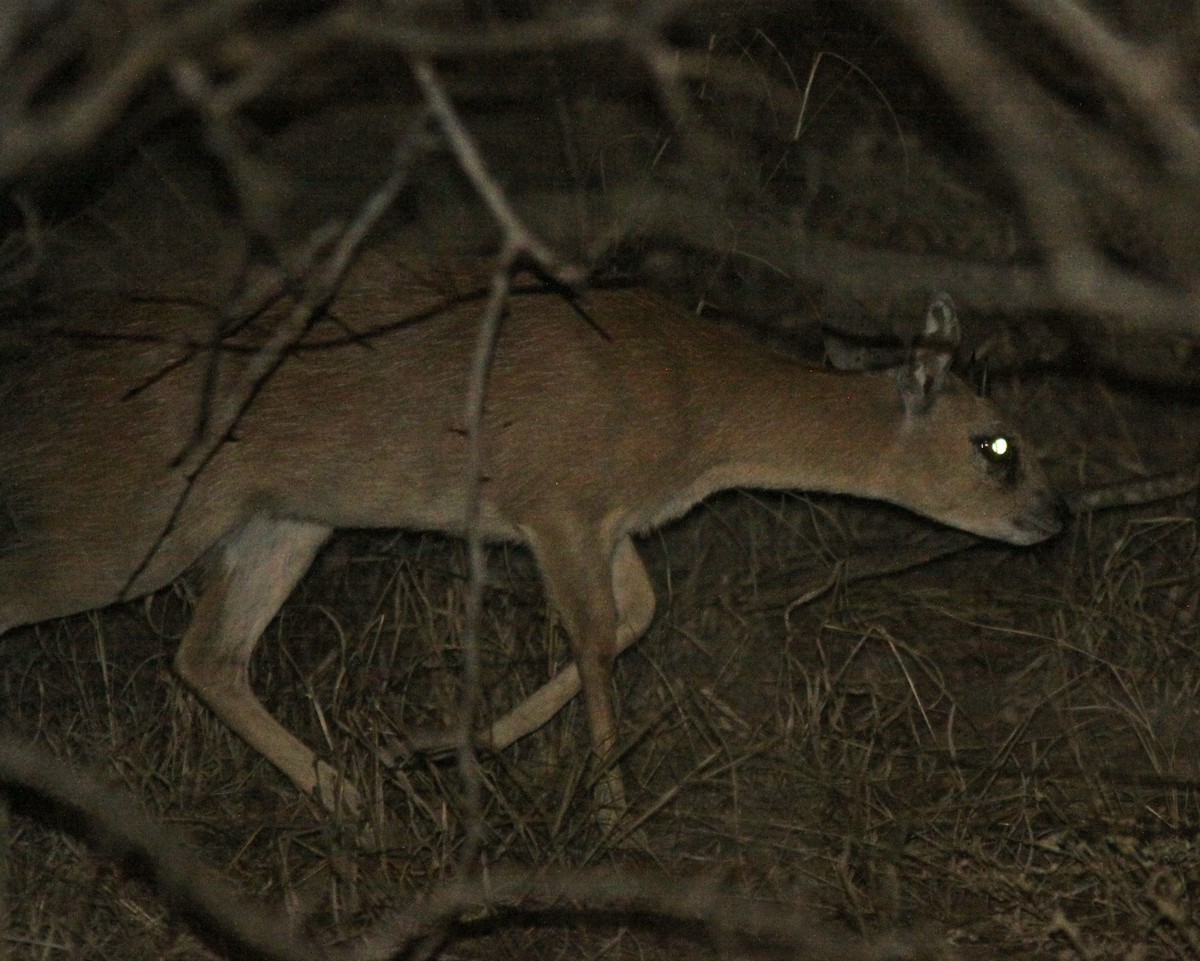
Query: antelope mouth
x=1041 y=524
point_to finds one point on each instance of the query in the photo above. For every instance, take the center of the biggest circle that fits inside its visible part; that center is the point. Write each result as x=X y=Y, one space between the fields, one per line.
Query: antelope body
x=603 y=420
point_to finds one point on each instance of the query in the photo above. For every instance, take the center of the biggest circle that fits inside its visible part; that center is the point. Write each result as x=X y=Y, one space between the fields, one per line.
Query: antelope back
x=604 y=417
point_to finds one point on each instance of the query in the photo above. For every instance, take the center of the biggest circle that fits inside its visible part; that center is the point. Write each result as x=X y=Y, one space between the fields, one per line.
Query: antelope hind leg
x=254 y=570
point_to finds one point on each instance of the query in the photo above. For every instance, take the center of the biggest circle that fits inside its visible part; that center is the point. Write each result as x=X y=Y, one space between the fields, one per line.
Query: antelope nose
x=1052 y=515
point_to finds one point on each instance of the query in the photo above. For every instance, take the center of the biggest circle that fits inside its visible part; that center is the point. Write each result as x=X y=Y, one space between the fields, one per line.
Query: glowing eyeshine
x=996 y=449
x=1001 y=456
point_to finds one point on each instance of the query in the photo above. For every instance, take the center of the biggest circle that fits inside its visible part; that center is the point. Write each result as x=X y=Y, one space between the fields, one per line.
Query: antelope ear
x=921 y=378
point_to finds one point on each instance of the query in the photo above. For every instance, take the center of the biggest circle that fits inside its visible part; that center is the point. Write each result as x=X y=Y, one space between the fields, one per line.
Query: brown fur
x=604 y=420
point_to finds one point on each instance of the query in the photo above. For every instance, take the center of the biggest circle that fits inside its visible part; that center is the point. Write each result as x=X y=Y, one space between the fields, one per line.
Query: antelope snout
x=1044 y=519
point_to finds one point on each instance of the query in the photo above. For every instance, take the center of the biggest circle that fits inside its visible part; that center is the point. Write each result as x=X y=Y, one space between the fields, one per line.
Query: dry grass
x=997 y=751
x=998 y=748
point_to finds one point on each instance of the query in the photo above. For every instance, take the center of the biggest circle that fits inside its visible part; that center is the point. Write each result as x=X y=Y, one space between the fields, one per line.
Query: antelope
x=605 y=418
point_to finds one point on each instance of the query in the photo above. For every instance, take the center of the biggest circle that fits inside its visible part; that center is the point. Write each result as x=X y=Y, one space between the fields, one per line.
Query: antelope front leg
x=634 y=598
x=581 y=583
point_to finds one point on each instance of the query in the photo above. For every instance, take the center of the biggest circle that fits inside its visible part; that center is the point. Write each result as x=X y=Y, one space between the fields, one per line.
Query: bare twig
x=794 y=928
x=225 y=410
x=1130 y=493
x=41 y=786
x=557 y=30
x=520 y=241
x=468 y=762
x=519 y=244
x=1014 y=114
x=658 y=214
x=77 y=121
x=1009 y=108
x=1150 y=80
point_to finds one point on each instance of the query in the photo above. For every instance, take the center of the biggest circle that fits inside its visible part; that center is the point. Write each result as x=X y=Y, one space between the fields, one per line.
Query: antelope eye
x=1000 y=454
x=995 y=449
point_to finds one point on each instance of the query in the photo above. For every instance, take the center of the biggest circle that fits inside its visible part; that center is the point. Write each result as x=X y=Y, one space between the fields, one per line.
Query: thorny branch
x=468 y=761
x=312 y=289
x=1016 y=116
x=520 y=244
x=519 y=241
x=1153 y=81
x=37 y=785
x=1080 y=175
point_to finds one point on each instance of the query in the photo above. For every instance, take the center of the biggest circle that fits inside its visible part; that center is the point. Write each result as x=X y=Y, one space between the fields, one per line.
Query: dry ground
x=996 y=753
